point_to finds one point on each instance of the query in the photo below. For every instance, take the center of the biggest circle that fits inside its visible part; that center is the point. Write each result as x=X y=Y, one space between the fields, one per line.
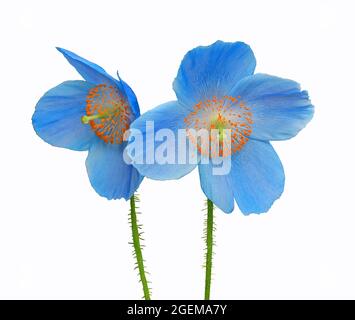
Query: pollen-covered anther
x=108 y=113
x=227 y=121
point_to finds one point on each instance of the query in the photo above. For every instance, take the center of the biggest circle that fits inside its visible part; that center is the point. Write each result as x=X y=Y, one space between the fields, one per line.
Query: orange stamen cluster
x=226 y=113
x=110 y=113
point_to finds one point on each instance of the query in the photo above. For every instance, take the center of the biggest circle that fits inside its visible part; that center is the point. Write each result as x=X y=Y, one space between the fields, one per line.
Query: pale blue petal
x=168 y=116
x=57 y=117
x=109 y=174
x=280 y=109
x=257 y=177
x=213 y=70
x=217 y=188
x=90 y=71
x=130 y=96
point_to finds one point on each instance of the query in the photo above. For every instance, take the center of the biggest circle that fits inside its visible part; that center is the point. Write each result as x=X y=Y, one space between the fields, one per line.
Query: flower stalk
x=136 y=238
x=209 y=248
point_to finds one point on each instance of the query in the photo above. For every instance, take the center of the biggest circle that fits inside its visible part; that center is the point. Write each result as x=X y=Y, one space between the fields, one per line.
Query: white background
x=59 y=240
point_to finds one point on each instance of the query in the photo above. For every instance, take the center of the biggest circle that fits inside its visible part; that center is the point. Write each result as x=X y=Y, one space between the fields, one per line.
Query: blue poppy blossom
x=92 y=115
x=216 y=88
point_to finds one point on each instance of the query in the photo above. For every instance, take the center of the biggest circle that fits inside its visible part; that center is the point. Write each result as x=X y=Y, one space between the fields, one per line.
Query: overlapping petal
x=164 y=121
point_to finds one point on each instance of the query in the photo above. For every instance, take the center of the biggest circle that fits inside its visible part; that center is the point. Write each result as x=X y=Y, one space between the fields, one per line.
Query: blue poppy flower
x=92 y=115
x=216 y=88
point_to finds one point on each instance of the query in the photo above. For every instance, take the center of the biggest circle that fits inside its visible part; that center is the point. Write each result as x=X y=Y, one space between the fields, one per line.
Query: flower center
x=228 y=122
x=108 y=113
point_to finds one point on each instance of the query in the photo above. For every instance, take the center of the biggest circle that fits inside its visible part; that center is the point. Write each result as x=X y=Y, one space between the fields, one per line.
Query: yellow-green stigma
x=220 y=124
x=86 y=119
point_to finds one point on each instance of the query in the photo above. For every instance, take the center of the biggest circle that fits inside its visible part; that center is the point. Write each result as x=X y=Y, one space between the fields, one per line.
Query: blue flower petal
x=109 y=174
x=217 y=188
x=130 y=95
x=57 y=117
x=169 y=116
x=90 y=71
x=93 y=73
x=279 y=108
x=213 y=70
x=257 y=177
